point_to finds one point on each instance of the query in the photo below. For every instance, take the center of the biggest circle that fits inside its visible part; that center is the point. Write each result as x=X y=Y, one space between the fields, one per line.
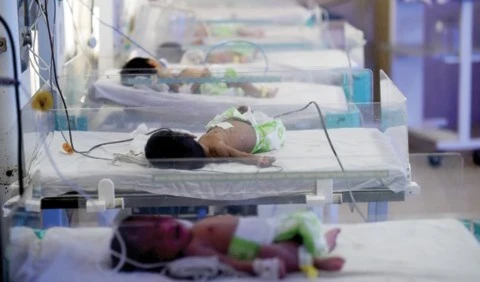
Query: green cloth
x=270 y=132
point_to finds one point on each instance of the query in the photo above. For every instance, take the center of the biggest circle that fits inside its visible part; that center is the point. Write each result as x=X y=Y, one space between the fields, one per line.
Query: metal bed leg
x=382 y=211
x=331 y=213
x=372 y=212
x=377 y=211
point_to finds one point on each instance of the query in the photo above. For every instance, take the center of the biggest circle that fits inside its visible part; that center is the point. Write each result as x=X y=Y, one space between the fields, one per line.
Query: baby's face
x=165 y=236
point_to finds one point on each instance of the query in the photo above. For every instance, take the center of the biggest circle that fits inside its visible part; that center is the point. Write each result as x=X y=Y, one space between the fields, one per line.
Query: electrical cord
x=62 y=98
x=322 y=120
x=18 y=106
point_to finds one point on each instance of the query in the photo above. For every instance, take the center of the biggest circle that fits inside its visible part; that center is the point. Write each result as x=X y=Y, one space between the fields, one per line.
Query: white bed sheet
x=360 y=150
x=293 y=14
x=313 y=59
x=110 y=90
x=276 y=34
x=422 y=250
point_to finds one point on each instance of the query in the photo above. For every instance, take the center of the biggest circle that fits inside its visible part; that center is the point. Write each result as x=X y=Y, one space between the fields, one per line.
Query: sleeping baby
x=270 y=248
x=145 y=66
x=236 y=133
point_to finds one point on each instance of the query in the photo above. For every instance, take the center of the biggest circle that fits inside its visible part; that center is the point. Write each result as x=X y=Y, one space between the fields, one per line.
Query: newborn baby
x=236 y=133
x=247 y=244
x=145 y=66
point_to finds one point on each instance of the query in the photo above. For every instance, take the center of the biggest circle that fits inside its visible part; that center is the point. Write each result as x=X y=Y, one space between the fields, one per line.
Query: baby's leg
x=331 y=238
x=288 y=253
x=285 y=251
x=253 y=91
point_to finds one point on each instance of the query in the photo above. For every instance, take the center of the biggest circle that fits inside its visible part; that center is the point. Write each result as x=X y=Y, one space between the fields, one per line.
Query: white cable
x=36 y=58
x=43 y=80
x=42 y=13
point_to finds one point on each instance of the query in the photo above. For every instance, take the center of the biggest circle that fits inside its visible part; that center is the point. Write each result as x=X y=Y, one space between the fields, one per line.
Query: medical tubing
x=123 y=254
x=17 y=105
x=227 y=42
x=62 y=98
x=322 y=120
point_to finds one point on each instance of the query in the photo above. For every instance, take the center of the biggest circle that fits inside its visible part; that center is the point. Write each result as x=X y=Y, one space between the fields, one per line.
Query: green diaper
x=243 y=249
x=306 y=225
x=221 y=88
x=270 y=132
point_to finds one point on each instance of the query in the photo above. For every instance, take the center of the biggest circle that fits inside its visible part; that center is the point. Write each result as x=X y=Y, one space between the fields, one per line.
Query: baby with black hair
x=265 y=247
x=237 y=133
x=146 y=66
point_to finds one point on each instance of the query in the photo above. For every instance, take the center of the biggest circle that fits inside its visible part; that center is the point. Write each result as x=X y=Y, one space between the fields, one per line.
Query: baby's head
x=168 y=144
x=138 y=66
x=149 y=240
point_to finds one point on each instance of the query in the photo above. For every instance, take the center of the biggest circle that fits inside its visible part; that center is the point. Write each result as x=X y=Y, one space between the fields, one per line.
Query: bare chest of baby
x=215 y=233
x=238 y=135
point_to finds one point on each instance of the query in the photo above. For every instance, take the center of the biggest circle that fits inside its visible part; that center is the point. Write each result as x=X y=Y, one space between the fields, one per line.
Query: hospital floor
x=444 y=191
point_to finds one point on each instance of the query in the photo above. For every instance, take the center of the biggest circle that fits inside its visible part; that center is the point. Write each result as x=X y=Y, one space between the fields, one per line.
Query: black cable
x=118 y=141
x=55 y=75
x=322 y=120
x=18 y=107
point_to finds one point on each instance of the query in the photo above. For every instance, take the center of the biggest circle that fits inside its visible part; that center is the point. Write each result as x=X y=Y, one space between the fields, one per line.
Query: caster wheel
x=476 y=157
x=435 y=161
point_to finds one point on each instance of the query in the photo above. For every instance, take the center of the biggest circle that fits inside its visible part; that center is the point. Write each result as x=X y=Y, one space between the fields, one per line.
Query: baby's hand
x=265 y=161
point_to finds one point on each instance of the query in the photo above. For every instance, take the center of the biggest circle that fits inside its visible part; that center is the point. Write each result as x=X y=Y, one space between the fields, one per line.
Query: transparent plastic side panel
x=344 y=141
x=394 y=116
x=447 y=189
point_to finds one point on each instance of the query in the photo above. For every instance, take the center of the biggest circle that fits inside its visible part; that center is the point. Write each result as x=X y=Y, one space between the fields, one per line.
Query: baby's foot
x=329 y=264
x=331 y=237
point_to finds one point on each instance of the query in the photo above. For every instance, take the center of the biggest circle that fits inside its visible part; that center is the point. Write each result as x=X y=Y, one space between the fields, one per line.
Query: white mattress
x=361 y=150
x=422 y=251
x=293 y=14
x=110 y=90
x=276 y=34
x=312 y=59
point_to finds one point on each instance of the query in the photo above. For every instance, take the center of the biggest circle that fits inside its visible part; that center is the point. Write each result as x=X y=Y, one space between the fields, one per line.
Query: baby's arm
x=225 y=151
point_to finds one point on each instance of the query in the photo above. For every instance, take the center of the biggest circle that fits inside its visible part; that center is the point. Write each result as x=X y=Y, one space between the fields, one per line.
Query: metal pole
x=465 y=72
